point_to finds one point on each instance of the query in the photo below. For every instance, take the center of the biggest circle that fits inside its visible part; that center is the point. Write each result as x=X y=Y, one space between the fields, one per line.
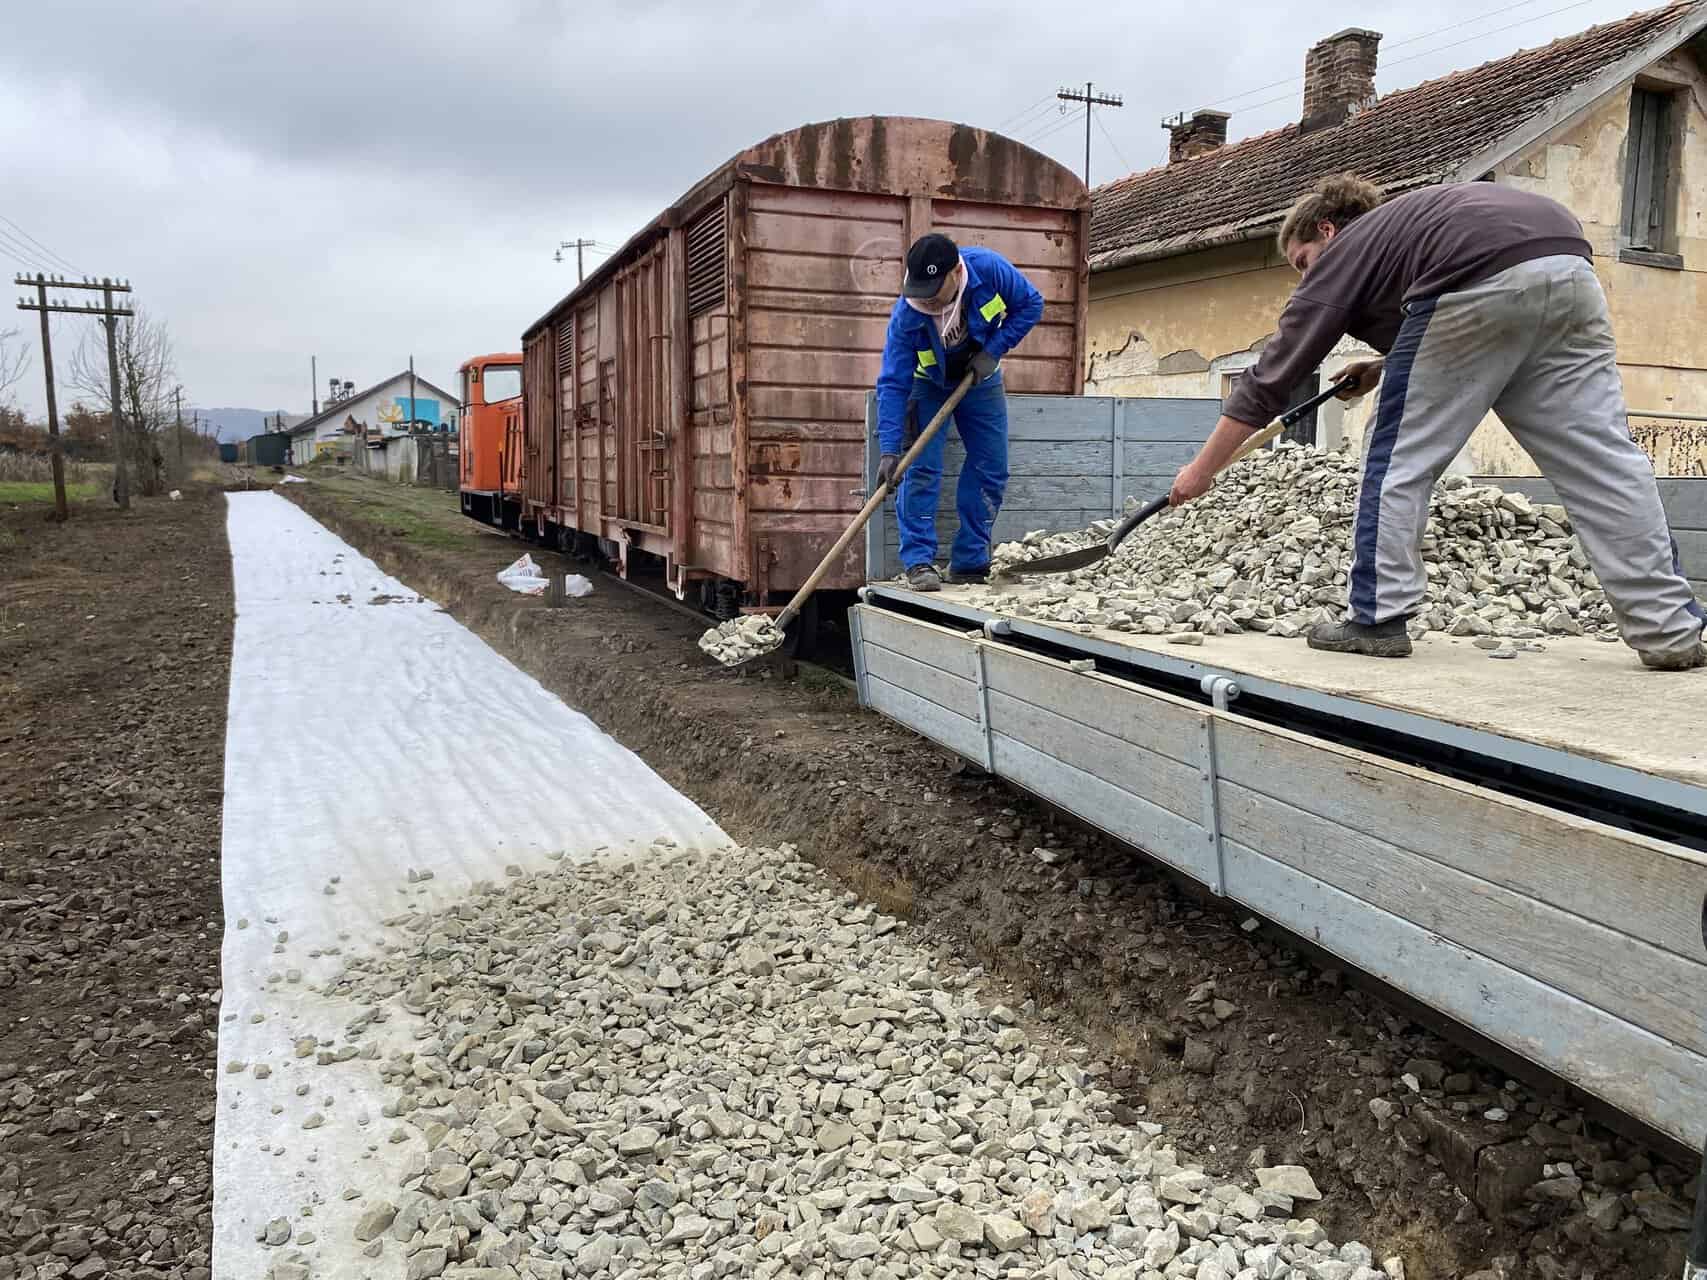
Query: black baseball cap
x=929 y=263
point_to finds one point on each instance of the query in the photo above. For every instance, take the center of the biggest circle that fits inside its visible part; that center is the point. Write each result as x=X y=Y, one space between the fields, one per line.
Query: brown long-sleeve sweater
x=1419 y=245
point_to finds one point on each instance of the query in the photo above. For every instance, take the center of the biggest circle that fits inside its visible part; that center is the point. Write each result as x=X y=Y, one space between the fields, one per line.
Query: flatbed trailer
x=1519 y=845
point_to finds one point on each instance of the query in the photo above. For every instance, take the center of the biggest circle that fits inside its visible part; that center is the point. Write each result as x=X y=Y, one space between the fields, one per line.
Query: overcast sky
x=362 y=179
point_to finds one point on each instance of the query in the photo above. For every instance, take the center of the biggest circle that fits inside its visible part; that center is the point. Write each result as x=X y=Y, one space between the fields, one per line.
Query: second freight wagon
x=699 y=401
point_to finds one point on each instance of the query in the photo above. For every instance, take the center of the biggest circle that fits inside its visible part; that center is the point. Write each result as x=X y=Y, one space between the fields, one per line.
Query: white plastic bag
x=524 y=576
x=577 y=586
x=175 y=495
x=290 y=479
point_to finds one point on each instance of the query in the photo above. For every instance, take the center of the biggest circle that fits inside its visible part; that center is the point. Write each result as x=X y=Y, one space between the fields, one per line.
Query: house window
x=1650 y=180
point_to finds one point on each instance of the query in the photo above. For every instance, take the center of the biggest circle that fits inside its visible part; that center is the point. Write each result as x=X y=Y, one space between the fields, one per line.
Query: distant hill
x=240 y=424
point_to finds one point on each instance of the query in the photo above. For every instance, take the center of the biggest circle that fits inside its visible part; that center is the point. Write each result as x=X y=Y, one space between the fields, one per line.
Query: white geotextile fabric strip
x=364 y=739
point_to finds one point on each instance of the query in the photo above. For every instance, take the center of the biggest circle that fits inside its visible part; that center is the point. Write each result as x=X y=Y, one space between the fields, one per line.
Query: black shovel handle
x=1132 y=521
x=1285 y=420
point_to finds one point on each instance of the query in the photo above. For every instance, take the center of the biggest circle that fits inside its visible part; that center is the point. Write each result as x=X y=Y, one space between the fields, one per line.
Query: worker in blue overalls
x=959 y=309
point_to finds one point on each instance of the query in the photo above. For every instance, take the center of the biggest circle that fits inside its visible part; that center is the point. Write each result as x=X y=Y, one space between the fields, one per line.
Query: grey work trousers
x=1534 y=344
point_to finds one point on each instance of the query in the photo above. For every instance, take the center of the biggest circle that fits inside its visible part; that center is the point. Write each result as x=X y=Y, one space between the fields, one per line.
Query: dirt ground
x=1247 y=1050
x=115 y=634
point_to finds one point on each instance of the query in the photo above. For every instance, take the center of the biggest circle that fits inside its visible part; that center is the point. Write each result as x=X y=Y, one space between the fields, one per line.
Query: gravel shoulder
x=1248 y=1051
x=114 y=653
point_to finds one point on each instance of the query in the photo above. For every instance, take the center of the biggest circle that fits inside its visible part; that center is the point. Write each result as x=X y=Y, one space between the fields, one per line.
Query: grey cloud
x=365 y=179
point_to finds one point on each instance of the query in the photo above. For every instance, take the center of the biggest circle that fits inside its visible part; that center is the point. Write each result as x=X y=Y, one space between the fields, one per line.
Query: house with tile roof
x=1187 y=282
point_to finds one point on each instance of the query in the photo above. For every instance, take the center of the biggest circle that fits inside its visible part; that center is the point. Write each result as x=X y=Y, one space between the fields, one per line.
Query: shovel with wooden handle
x=1097 y=551
x=792 y=609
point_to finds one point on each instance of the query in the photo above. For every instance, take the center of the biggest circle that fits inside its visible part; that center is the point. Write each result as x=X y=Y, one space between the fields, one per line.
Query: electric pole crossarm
x=1091 y=100
x=73 y=309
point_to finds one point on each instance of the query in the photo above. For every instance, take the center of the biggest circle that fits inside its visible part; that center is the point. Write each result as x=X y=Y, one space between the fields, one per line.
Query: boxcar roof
x=883 y=155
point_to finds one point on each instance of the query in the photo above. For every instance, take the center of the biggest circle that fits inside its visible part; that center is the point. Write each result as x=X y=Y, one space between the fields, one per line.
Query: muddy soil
x=1220 y=1028
x=115 y=650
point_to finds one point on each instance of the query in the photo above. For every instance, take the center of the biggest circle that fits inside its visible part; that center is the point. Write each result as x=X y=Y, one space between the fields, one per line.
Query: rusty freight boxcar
x=698 y=403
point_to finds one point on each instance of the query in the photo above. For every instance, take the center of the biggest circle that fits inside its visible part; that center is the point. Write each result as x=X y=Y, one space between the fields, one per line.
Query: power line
x=1118 y=155
x=1397 y=62
x=19 y=252
x=1050 y=130
x=63 y=263
x=1030 y=119
x=1044 y=101
x=1046 y=124
x=1496 y=31
x=1399 y=44
x=5 y=252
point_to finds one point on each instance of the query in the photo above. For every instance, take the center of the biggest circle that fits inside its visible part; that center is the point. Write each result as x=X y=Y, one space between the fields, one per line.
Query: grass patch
x=411 y=528
x=16 y=491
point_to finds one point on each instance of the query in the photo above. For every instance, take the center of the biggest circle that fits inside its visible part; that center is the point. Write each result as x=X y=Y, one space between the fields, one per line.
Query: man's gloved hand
x=982 y=364
x=1366 y=372
x=886 y=468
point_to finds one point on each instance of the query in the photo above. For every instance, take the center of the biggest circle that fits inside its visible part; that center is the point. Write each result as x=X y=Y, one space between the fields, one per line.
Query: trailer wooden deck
x=1521 y=845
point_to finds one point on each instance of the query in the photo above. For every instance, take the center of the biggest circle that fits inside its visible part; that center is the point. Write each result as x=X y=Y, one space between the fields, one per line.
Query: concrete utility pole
x=314 y=383
x=411 y=394
x=61 y=512
x=578 y=246
x=109 y=314
x=1091 y=101
x=178 y=416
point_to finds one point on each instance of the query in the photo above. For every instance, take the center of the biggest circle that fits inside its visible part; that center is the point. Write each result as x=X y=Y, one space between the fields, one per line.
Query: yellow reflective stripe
x=993 y=308
x=927 y=358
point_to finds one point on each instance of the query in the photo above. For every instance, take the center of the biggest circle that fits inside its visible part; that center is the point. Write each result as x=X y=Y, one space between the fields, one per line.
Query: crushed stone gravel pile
x=739 y=639
x=1269 y=548
x=721 y=1065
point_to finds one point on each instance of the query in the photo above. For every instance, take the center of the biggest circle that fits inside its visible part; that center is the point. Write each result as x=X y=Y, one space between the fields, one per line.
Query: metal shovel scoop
x=1099 y=550
x=765 y=638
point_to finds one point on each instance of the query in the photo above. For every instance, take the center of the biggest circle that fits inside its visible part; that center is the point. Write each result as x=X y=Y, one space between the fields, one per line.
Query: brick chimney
x=1203 y=133
x=1339 y=78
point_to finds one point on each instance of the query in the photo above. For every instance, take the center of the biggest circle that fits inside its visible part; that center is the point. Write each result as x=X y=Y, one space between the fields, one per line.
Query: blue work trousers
x=982 y=421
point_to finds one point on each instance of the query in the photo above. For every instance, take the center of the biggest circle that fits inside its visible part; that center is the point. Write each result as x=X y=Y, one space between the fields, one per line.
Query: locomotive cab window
x=502 y=382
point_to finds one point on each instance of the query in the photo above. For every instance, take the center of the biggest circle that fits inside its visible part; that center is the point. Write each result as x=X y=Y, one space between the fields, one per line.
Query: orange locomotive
x=491 y=439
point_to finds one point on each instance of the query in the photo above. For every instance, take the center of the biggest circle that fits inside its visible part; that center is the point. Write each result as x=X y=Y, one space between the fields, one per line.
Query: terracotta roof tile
x=1411 y=137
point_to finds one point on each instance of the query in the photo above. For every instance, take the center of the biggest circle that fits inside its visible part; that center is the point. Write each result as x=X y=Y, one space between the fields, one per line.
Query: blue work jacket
x=1001 y=307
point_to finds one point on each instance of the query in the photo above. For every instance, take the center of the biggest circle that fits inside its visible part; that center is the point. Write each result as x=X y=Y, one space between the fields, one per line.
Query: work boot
x=980 y=574
x=924 y=577
x=1383 y=640
x=1685 y=659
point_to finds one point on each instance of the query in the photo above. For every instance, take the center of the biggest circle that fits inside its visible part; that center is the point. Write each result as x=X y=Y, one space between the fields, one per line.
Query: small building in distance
x=350 y=419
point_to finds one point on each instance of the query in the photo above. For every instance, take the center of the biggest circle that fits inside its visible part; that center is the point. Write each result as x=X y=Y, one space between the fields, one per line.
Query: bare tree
x=147 y=374
x=14 y=363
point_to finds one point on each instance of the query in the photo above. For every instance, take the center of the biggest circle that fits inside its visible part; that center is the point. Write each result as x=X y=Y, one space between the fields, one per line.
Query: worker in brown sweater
x=1481 y=297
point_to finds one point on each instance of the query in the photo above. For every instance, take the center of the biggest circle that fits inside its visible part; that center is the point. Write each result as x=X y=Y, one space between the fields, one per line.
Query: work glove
x=1366 y=372
x=886 y=467
x=982 y=364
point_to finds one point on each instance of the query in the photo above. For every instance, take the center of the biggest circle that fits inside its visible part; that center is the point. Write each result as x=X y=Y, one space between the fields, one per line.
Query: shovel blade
x=1061 y=563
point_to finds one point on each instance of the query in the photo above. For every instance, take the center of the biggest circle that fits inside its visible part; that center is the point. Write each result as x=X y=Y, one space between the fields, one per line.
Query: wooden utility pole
x=56 y=450
x=579 y=246
x=109 y=314
x=1091 y=101
x=178 y=417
